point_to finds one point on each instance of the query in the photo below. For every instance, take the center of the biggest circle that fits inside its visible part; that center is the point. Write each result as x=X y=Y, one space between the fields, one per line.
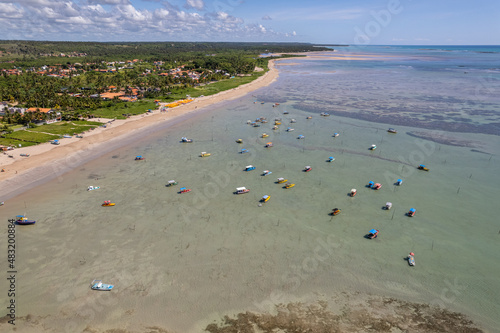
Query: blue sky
x=409 y=22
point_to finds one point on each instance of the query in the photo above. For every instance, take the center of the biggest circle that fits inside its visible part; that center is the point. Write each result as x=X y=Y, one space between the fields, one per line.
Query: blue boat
x=301 y=137
x=244 y=151
x=373 y=234
x=335 y=135
x=422 y=167
x=370 y=184
x=266 y=173
x=249 y=168
x=98 y=285
x=139 y=158
x=399 y=182
x=23 y=220
x=411 y=212
x=331 y=159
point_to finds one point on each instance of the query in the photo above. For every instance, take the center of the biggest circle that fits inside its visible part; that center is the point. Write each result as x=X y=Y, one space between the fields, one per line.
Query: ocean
x=183 y=260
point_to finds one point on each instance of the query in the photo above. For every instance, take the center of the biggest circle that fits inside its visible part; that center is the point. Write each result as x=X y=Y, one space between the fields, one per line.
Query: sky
x=360 y=22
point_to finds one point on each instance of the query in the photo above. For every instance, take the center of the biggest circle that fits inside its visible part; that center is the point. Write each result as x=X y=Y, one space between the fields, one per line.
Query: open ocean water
x=182 y=257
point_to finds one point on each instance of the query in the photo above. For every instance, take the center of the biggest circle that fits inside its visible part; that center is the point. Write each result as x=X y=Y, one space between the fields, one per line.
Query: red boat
x=412 y=212
x=184 y=190
x=377 y=186
x=307 y=169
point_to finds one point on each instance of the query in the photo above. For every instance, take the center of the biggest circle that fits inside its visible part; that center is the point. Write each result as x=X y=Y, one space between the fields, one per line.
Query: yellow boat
x=108 y=204
x=288 y=185
x=239 y=141
x=275 y=127
x=265 y=198
x=265 y=135
x=277 y=123
x=204 y=154
x=282 y=180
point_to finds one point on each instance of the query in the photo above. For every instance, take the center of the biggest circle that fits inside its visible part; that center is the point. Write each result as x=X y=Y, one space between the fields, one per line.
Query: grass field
x=131 y=108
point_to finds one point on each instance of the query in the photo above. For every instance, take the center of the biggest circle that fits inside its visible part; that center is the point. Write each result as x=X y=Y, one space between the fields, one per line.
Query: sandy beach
x=14 y=177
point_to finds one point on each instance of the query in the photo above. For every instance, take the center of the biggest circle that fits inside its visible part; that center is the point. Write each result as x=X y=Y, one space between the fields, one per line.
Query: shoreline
x=24 y=172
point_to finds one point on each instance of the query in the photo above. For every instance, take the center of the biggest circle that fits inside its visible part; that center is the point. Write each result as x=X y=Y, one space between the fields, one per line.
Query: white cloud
x=197 y=4
x=266 y=18
x=108 y=20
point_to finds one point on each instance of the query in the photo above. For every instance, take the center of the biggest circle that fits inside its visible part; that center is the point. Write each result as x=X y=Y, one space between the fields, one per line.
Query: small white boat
x=241 y=190
x=331 y=159
x=91 y=188
x=373 y=147
x=353 y=192
x=293 y=121
x=399 y=182
x=266 y=173
x=98 y=285
x=335 y=135
x=289 y=129
x=300 y=137
x=388 y=205
x=67 y=136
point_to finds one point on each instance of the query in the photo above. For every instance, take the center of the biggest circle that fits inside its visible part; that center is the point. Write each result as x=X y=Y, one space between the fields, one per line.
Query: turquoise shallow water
x=211 y=250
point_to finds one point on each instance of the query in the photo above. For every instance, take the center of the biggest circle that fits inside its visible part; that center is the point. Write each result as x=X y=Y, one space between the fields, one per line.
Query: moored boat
x=186 y=140
x=293 y=121
x=335 y=135
x=24 y=155
x=289 y=185
x=335 y=211
x=300 y=137
x=331 y=159
x=244 y=151
x=23 y=220
x=91 y=188
x=289 y=129
x=399 y=182
x=275 y=127
x=373 y=147
x=239 y=141
x=377 y=186
x=269 y=145
x=307 y=168
x=281 y=180
x=55 y=142
x=249 y=168
x=265 y=198
x=242 y=190
x=392 y=130
x=422 y=167
x=277 y=123
x=98 y=285
x=309 y=117
x=353 y=192
x=139 y=158
x=388 y=205
x=372 y=234
x=266 y=173
x=324 y=114
x=184 y=190
x=370 y=184
x=204 y=154
x=108 y=203
x=265 y=135
x=411 y=212
x=411 y=259
x=171 y=183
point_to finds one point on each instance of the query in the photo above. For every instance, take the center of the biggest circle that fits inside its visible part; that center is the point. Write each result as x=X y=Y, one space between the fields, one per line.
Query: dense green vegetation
x=72 y=78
